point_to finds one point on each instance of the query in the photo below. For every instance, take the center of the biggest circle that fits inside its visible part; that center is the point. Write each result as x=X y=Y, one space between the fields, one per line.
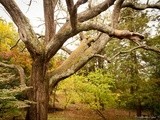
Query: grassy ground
x=79 y=112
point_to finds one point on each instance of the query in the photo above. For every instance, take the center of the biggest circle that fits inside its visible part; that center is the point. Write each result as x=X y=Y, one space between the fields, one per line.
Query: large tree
x=42 y=51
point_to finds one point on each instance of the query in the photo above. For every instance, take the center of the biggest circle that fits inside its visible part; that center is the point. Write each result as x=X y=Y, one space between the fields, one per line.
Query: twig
x=101 y=114
x=102 y=56
x=66 y=49
x=15 y=44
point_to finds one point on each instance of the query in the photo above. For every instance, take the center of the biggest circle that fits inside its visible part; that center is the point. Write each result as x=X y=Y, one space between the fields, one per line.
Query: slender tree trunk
x=139 y=108
x=40 y=92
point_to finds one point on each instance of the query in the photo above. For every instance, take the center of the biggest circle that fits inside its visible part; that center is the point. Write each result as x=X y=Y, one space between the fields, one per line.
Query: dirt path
x=81 y=112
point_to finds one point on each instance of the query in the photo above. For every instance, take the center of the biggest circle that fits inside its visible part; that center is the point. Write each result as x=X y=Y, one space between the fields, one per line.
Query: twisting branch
x=66 y=31
x=145 y=47
x=140 y=7
x=124 y=52
x=151 y=49
x=109 y=60
x=29 y=5
x=19 y=69
x=110 y=31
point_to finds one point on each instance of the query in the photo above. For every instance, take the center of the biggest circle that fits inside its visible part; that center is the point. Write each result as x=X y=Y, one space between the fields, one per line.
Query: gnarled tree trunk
x=40 y=93
x=53 y=41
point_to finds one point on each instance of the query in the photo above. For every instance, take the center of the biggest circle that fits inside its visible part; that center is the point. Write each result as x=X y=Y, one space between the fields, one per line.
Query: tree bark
x=139 y=108
x=40 y=92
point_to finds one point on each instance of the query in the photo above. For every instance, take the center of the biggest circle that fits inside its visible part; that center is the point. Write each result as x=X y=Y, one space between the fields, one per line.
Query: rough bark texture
x=42 y=53
x=116 y=13
x=40 y=93
x=78 y=58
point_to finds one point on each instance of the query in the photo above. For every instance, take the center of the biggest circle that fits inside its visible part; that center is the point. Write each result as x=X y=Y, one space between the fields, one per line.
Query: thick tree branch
x=72 y=9
x=19 y=69
x=95 y=10
x=116 y=13
x=49 y=6
x=110 y=31
x=66 y=33
x=140 y=7
x=78 y=58
x=72 y=12
x=25 y=30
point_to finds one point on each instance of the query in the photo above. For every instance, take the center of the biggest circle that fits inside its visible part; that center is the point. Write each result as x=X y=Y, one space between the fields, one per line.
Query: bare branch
x=123 y=52
x=78 y=58
x=80 y=2
x=26 y=32
x=140 y=7
x=72 y=9
x=49 y=6
x=116 y=13
x=15 y=44
x=67 y=32
x=151 y=49
x=110 y=31
x=72 y=12
x=90 y=4
x=66 y=49
x=147 y=2
x=96 y=10
x=103 y=57
x=146 y=47
x=137 y=47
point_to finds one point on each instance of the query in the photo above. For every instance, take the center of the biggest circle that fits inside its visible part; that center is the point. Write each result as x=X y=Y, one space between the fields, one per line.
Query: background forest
x=125 y=77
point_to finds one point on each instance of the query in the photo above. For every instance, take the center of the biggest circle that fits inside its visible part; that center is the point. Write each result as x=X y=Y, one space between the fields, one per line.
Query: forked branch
x=72 y=9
